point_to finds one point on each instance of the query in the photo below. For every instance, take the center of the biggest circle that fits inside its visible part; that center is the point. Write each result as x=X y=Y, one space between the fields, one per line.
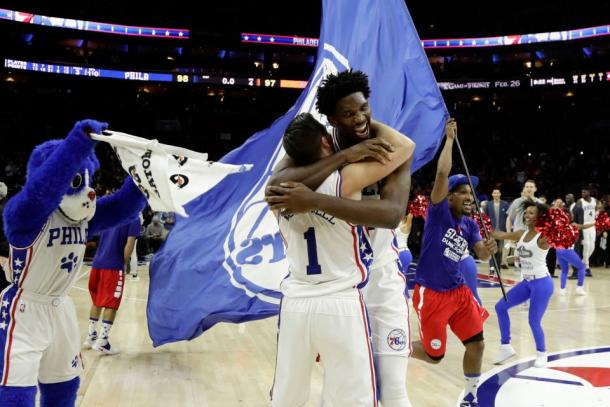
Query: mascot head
x=78 y=202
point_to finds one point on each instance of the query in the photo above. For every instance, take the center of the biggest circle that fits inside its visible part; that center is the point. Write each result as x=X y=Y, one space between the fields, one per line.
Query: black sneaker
x=588 y=273
x=574 y=276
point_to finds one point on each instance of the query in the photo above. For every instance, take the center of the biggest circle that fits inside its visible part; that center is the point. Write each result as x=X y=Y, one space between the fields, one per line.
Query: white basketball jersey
x=532 y=259
x=50 y=265
x=325 y=254
x=384 y=245
x=589 y=210
x=401 y=239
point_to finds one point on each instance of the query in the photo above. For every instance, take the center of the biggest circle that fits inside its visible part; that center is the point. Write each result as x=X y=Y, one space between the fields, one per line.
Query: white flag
x=168 y=176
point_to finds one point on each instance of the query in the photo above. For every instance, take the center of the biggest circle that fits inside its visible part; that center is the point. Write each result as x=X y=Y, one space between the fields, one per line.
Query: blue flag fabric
x=225 y=262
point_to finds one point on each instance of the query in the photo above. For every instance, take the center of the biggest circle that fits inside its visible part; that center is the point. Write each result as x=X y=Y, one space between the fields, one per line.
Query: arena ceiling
x=433 y=19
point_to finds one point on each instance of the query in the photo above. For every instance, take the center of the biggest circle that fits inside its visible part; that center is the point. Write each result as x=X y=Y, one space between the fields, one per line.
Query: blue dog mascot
x=47 y=224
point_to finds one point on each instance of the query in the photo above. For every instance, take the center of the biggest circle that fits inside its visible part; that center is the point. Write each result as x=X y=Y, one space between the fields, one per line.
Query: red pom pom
x=556 y=227
x=486 y=221
x=602 y=222
x=418 y=206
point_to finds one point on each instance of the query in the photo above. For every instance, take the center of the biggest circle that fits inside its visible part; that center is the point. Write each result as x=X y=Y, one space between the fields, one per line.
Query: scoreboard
x=151 y=76
x=574 y=78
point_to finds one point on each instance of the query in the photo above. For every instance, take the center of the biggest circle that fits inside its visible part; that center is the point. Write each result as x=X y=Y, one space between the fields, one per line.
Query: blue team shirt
x=111 y=246
x=445 y=240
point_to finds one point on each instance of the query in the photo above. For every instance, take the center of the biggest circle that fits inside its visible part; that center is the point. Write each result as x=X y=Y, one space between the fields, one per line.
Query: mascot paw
x=91 y=126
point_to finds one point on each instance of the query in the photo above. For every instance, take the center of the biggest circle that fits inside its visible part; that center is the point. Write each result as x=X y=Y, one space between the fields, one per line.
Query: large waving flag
x=168 y=176
x=225 y=262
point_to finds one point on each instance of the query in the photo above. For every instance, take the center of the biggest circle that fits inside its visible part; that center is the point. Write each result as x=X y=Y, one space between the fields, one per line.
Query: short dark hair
x=302 y=139
x=542 y=208
x=531 y=181
x=336 y=87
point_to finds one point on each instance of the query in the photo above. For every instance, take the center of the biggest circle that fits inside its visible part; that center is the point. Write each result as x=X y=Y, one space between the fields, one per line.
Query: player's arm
x=440 y=190
x=129 y=246
x=396 y=173
x=386 y=212
x=395 y=193
x=358 y=175
x=314 y=174
x=406 y=224
x=583 y=226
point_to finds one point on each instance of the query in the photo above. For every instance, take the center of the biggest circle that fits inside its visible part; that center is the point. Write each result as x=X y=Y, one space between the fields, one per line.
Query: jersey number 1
x=312 y=254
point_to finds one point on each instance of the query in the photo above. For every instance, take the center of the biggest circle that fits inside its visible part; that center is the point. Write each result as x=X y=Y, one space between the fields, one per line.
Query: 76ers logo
x=254 y=250
x=397 y=339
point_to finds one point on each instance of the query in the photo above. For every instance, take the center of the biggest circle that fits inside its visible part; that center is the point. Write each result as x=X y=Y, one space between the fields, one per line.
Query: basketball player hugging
x=47 y=224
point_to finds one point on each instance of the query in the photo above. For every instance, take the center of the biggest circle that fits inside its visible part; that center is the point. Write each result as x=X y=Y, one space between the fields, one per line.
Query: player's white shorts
x=388 y=308
x=588 y=237
x=39 y=339
x=335 y=327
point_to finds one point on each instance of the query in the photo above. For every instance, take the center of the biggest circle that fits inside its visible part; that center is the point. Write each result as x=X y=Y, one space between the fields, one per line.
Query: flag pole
x=478 y=209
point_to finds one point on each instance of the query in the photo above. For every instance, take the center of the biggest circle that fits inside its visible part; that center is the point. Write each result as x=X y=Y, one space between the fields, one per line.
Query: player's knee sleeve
x=61 y=394
x=392 y=380
x=17 y=396
x=475 y=338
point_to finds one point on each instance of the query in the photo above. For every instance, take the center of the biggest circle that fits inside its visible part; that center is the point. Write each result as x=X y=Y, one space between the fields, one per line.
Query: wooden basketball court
x=233 y=365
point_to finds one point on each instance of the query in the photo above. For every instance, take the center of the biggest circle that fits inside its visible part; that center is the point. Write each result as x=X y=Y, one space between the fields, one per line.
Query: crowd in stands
x=561 y=142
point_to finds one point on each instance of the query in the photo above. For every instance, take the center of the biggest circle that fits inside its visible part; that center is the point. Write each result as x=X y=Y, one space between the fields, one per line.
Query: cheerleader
x=569 y=257
x=536 y=286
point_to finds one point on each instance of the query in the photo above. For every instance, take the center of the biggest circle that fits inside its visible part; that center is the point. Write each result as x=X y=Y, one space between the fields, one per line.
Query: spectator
x=605 y=249
x=155 y=234
x=169 y=220
x=515 y=220
x=599 y=256
x=497 y=210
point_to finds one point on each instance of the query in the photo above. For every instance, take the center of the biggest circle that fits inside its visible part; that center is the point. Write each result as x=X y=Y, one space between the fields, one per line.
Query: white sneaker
x=506 y=352
x=541 y=359
x=103 y=346
x=88 y=344
x=580 y=291
x=562 y=292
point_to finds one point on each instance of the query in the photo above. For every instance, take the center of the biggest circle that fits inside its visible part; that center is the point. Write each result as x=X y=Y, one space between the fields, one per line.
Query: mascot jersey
x=50 y=265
